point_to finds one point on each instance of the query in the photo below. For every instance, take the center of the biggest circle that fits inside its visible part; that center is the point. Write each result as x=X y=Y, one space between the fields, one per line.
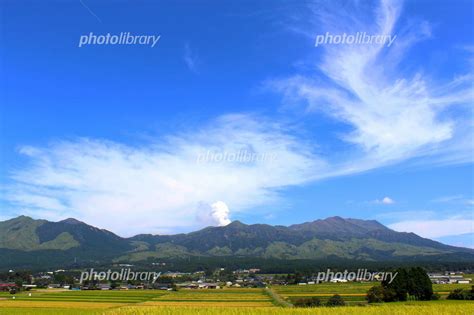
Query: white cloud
x=387 y=201
x=435 y=228
x=393 y=116
x=160 y=186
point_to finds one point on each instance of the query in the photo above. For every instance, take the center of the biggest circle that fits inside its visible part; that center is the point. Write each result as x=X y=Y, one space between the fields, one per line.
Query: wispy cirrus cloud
x=436 y=228
x=455 y=199
x=393 y=116
x=190 y=58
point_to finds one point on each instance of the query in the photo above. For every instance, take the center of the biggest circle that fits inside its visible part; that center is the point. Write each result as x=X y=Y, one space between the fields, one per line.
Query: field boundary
x=277 y=299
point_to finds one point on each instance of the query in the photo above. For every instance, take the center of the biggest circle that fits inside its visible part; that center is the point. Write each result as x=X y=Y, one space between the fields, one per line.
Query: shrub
x=335 y=300
x=435 y=297
x=307 y=302
x=460 y=294
x=470 y=295
x=375 y=294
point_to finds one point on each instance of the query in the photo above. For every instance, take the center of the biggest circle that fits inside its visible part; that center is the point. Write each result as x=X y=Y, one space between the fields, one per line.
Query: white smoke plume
x=216 y=214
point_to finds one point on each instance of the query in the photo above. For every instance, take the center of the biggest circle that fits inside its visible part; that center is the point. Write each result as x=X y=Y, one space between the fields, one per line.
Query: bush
x=456 y=294
x=435 y=297
x=307 y=302
x=335 y=300
x=378 y=294
x=389 y=295
x=375 y=294
x=460 y=294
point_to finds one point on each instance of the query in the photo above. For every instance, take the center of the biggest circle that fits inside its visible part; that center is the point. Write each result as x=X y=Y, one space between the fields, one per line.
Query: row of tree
x=335 y=300
x=413 y=282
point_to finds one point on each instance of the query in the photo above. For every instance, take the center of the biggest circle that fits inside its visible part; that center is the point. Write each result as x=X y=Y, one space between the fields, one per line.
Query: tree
x=335 y=300
x=19 y=283
x=375 y=294
x=399 y=286
x=389 y=295
x=414 y=281
x=298 y=277
x=419 y=284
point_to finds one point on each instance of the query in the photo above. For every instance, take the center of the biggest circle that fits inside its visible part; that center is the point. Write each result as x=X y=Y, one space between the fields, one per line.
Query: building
x=7 y=286
x=449 y=278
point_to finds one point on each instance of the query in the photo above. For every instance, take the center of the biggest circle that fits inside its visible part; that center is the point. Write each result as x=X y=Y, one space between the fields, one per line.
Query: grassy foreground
x=228 y=301
x=410 y=308
x=446 y=309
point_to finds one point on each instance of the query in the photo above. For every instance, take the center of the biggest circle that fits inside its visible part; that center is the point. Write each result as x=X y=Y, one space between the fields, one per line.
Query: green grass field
x=238 y=301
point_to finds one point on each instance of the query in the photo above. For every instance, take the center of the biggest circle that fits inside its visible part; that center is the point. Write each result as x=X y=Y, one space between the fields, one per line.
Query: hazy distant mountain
x=25 y=242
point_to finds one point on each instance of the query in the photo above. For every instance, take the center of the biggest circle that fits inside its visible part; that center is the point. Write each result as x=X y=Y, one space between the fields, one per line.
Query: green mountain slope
x=24 y=242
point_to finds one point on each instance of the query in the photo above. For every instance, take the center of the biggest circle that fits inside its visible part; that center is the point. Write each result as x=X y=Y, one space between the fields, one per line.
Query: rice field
x=352 y=293
x=213 y=298
x=228 y=301
x=427 y=308
x=421 y=308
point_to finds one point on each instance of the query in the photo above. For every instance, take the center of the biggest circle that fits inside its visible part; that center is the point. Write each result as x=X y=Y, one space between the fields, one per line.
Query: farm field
x=353 y=293
x=213 y=298
x=231 y=301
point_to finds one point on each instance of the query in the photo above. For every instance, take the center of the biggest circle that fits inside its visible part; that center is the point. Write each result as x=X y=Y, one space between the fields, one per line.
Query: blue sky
x=114 y=135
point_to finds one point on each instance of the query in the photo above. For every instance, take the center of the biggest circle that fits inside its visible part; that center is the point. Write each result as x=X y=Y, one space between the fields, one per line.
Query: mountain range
x=25 y=242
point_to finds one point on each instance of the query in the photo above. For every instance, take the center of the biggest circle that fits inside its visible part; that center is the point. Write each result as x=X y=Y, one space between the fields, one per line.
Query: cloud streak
x=392 y=116
x=190 y=59
x=435 y=228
